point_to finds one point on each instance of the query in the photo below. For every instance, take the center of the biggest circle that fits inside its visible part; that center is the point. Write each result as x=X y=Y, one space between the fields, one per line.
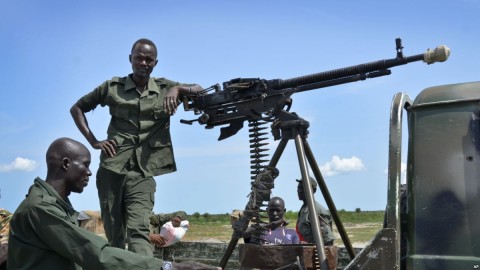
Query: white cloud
x=342 y=165
x=19 y=164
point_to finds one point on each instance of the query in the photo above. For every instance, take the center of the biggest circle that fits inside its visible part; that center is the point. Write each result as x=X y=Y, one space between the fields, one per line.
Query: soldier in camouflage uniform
x=5 y=217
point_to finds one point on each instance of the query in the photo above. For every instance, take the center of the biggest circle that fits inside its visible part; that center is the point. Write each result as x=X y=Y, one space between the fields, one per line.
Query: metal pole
x=328 y=200
x=311 y=203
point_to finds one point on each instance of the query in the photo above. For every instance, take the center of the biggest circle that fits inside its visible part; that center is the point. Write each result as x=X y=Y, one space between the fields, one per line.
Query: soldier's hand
x=170 y=101
x=107 y=146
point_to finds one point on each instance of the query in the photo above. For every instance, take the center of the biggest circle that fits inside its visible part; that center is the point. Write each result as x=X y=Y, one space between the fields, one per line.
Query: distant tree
x=290 y=215
x=358 y=210
x=196 y=215
x=206 y=215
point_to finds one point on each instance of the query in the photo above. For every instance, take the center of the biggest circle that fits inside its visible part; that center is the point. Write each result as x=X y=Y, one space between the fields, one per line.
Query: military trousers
x=126 y=203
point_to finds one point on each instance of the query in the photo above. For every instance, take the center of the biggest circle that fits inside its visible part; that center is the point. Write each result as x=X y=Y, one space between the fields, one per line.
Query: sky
x=53 y=52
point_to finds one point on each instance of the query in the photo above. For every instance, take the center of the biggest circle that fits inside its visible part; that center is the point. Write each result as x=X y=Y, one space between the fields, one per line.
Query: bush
x=290 y=215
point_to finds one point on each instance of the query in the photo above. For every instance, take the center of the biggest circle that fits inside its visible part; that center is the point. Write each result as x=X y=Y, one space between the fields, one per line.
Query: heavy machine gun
x=244 y=99
x=261 y=101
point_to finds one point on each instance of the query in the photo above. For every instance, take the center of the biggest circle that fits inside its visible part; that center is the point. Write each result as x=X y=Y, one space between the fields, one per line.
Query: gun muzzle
x=439 y=54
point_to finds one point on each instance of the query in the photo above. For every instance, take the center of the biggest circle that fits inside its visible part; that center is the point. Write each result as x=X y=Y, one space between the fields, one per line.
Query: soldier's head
x=68 y=164
x=301 y=190
x=276 y=209
x=143 y=58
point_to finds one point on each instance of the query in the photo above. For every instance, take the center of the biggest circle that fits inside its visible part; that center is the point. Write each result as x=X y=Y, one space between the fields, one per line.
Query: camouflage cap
x=313 y=182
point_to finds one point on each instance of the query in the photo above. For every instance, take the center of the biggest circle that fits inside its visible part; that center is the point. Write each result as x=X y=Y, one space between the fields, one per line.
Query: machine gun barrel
x=358 y=72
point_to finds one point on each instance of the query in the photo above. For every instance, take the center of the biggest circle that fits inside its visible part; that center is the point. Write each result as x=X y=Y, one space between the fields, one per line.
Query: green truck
x=433 y=220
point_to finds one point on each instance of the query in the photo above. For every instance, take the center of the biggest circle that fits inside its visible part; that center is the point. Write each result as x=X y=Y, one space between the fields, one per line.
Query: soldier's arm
x=78 y=110
x=172 y=98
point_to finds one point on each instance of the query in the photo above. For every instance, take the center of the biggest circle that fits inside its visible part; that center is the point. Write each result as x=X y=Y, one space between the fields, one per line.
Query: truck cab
x=433 y=220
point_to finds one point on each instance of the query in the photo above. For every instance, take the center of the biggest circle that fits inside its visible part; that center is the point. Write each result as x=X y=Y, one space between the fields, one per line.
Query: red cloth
x=300 y=236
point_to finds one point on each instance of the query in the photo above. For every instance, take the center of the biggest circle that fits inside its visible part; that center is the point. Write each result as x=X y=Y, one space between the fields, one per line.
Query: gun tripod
x=289 y=126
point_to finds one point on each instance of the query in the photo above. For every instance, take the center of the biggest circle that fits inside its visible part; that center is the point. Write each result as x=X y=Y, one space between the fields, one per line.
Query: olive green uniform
x=45 y=235
x=141 y=130
x=304 y=226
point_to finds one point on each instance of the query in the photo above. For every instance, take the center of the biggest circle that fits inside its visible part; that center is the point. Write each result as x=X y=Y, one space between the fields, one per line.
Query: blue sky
x=53 y=52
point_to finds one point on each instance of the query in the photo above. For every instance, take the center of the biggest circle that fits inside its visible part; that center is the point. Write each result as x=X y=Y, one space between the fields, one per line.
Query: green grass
x=361 y=217
x=360 y=226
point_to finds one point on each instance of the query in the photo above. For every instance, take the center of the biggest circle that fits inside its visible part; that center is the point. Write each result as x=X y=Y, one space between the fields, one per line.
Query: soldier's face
x=300 y=191
x=143 y=60
x=78 y=171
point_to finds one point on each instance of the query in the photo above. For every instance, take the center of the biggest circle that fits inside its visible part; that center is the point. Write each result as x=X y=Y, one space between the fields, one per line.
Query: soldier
x=138 y=146
x=45 y=233
x=304 y=227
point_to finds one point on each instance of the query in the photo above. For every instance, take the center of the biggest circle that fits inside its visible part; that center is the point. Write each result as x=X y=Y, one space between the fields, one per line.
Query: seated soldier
x=44 y=230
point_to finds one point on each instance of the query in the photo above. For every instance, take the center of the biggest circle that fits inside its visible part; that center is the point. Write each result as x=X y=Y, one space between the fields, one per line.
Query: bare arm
x=107 y=146
x=171 y=101
x=157 y=239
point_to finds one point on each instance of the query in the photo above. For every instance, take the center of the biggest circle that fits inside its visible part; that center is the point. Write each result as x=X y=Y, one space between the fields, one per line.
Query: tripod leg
x=278 y=152
x=328 y=199
x=311 y=203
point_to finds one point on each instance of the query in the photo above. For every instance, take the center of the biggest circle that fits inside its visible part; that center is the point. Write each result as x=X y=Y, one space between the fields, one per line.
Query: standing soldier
x=304 y=226
x=138 y=146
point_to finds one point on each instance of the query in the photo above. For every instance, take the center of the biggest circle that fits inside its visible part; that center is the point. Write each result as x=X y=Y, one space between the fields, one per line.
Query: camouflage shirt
x=5 y=217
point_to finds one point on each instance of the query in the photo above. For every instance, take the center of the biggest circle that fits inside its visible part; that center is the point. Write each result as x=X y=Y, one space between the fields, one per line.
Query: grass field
x=360 y=226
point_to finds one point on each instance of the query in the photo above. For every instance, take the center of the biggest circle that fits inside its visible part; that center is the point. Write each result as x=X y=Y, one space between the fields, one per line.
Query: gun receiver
x=259 y=99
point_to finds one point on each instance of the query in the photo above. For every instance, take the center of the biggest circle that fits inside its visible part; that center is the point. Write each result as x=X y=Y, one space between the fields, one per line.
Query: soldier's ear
x=65 y=163
x=130 y=58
